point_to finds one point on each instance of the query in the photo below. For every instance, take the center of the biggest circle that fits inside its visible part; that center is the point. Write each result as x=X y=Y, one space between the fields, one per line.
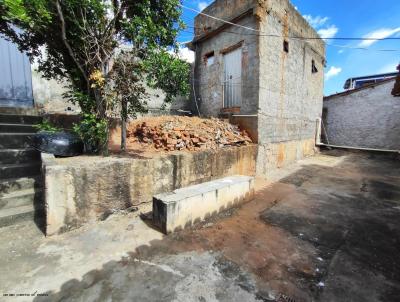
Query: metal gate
x=232 y=85
x=15 y=77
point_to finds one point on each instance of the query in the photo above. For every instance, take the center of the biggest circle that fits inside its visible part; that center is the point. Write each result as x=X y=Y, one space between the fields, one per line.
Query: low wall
x=278 y=155
x=86 y=188
x=176 y=210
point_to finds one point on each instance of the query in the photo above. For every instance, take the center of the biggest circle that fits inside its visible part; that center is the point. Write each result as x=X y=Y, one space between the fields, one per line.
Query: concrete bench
x=183 y=207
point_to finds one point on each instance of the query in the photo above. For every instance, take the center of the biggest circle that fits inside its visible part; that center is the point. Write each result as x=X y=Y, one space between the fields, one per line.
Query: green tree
x=131 y=77
x=78 y=40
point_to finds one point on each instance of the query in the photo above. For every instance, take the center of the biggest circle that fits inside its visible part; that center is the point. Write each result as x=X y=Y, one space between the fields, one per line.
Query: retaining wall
x=85 y=188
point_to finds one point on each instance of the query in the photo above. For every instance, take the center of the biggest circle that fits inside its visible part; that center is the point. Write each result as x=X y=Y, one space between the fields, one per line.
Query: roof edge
x=348 y=92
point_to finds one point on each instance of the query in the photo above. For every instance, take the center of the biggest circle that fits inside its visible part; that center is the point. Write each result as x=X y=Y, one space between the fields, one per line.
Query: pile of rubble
x=184 y=133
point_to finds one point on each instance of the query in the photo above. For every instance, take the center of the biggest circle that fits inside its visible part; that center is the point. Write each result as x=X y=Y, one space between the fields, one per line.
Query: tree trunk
x=124 y=117
x=100 y=108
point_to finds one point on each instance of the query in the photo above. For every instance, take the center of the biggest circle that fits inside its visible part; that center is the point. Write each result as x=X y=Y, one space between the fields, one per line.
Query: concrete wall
x=48 y=98
x=279 y=87
x=223 y=9
x=209 y=79
x=81 y=189
x=291 y=95
x=368 y=118
x=48 y=95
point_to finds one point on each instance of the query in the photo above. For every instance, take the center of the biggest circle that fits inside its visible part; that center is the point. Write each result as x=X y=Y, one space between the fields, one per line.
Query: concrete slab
x=326 y=232
x=186 y=206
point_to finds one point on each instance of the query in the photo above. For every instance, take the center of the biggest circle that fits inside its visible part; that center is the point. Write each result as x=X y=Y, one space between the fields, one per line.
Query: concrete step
x=20 y=119
x=17 y=128
x=16 y=215
x=19 y=111
x=18 y=156
x=19 y=170
x=8 y=186
x=21 y=198
x=183 y=207
x=14 y=140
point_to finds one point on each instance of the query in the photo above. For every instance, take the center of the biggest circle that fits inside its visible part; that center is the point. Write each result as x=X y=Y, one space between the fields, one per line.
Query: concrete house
x=259 y=70
x=358 y=82
x=366 y=117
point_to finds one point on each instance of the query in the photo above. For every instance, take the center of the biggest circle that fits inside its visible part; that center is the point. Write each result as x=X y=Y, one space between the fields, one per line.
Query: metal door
x=233 y=79
x=15 y=77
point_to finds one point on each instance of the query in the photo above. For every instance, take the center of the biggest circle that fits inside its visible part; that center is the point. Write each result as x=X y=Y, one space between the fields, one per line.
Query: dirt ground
x=327 y=230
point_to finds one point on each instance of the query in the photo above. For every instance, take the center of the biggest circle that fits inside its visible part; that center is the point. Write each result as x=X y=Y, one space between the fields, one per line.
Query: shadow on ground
x=324 y=233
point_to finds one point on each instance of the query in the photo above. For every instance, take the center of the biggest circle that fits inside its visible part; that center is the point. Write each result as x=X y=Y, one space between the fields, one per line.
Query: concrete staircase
x=20 y=180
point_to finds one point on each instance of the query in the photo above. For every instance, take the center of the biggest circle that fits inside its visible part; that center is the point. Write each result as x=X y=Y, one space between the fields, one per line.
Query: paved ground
x=329 y=230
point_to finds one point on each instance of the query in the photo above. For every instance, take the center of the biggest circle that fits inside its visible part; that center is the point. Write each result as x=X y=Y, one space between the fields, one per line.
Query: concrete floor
x=328 y=230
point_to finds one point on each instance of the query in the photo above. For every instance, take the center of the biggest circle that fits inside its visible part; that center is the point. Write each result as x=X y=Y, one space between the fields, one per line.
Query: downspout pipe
x=321 y=144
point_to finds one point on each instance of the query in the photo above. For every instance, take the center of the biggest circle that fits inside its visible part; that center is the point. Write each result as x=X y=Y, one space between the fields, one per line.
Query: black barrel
x=60 y=143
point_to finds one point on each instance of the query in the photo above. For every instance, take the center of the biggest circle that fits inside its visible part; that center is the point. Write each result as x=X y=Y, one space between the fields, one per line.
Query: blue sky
x=343 y=18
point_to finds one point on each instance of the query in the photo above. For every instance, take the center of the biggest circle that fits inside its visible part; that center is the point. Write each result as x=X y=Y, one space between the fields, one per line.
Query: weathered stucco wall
x=291 y=95
x=81 y=189
x=208 y=80
x=369 y=118
x=48 y=95
x=222 y=9
x=280 y=86
x=48 y=98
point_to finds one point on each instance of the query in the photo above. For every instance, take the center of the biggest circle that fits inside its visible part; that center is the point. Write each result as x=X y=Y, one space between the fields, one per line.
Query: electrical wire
x=277 y=36
x=298 y=38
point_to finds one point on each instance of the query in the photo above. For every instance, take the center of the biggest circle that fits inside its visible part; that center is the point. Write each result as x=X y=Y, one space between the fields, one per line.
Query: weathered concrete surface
x=280 y=88
x=184 y=207
x=81 y=189
x=114 y=260
x=328 y=231
x=367 y=118
x=291 y=94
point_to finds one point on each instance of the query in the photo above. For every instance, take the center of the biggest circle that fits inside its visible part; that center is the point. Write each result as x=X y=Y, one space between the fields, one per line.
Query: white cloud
x=381 y=33
x=341 y=51
x=332 y=72
x=317 y=21
x=392 y=67
x=329 y=32
x=186 y=54
x=202 y=5
x=324 y=29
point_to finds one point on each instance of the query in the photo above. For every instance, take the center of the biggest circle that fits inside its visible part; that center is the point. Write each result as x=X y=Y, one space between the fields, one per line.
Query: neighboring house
x=354 y=83
x=367 y=117
x=21 y=85
x=270 y=81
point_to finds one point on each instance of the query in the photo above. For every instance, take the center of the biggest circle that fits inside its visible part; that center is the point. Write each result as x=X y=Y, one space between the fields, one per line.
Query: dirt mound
x=170 y=133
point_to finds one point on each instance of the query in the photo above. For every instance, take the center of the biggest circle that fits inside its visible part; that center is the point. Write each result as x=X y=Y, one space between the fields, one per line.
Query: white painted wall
x=369 y=118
